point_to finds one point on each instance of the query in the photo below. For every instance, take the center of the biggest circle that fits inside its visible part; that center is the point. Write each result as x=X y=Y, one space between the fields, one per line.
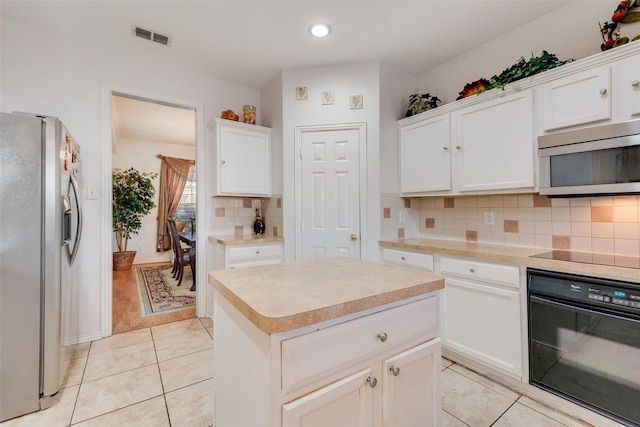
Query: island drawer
x=244 y=253
x=322 y=354
x=496 y=273
x=419 y=260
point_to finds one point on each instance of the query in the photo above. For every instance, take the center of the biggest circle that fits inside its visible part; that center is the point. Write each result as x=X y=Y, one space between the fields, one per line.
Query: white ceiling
x=249 y=42
x=135 y=120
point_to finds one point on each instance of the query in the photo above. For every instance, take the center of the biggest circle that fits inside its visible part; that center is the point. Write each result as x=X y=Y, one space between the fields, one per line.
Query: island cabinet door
x=410 y=387
x=347 y=402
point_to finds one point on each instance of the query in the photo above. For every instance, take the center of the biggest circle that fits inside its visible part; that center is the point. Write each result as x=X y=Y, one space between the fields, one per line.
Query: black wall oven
x=584 y=341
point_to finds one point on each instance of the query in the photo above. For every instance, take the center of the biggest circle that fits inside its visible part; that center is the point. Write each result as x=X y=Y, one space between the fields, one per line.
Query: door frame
x=299 y=131
x=106 y=268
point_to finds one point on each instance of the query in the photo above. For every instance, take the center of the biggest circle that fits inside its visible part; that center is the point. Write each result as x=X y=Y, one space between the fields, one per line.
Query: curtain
x=173 y=176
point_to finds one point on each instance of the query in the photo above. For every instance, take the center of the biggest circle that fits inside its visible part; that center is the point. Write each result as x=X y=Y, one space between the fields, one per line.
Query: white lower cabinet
x=377 y=369
x=481 y=313
x=418 y=260
x=405 y=382
x=348 y=402
x=247 y=255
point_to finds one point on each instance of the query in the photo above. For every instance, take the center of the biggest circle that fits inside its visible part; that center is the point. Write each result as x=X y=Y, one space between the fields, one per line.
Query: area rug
x=159 y=293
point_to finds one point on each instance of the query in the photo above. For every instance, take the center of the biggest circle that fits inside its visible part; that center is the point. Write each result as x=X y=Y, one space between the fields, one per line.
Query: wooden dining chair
x=182 y=254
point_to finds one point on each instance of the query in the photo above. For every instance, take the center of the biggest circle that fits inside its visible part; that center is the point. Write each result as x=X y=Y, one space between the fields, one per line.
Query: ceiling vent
x=151 y=36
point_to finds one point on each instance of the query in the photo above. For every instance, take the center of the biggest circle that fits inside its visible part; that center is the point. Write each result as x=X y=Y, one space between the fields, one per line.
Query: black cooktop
x=591 y=258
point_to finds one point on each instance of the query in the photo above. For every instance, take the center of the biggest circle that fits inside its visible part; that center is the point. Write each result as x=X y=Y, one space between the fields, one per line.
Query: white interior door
x=330 y=193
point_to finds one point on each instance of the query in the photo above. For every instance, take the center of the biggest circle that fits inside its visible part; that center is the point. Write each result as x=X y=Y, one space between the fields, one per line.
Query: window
x=187 y=207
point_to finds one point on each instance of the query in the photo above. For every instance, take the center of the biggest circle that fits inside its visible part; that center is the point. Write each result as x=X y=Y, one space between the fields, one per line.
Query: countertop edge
x=245 y=239
x=299 y=320
x=512 y=255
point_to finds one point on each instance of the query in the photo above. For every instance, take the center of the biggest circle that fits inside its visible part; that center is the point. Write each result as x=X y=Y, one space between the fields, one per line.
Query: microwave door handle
x=73 y=184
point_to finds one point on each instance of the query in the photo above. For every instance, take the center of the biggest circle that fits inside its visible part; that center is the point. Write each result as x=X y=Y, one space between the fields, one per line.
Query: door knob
x=354 y=237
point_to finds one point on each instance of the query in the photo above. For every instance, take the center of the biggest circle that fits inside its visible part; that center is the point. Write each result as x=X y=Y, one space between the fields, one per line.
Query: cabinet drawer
x=497 y=273
x=244 y=253
x=320 y=355
x=419 y=260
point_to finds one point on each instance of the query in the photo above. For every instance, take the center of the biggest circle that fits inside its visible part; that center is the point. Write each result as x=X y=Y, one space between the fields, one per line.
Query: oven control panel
x=624 y=296
x=614 y=296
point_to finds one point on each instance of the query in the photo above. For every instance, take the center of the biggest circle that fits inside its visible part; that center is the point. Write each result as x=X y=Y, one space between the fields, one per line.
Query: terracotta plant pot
x=123 y=261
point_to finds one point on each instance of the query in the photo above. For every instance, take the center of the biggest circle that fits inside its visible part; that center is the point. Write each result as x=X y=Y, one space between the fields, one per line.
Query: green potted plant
x=132 y=199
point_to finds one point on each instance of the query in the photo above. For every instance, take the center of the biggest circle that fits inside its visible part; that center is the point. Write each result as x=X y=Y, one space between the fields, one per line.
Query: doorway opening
x=145 y=133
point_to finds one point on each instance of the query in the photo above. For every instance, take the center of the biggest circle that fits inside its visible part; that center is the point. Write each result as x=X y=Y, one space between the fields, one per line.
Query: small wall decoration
x=624 y=14
x=327 y=97
x=355 y=102
x=302 y=93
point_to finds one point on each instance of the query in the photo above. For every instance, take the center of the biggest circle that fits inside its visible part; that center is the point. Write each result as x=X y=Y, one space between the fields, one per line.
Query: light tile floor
x=162 y=376
x=469 y=399
x=158 y=376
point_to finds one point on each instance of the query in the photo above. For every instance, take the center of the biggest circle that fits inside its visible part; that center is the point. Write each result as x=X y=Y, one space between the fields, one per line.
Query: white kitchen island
x=334 y=342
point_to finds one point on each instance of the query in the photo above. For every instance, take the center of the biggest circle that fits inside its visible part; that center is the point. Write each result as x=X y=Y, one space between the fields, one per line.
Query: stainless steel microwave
x=591 y=161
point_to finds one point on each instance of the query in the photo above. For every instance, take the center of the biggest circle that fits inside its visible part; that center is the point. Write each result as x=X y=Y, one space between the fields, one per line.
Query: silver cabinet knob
x=395 y=370
x=223 y=162
x=458 y=147
x=402 y=258
x=635 y=83
x=372 y=381
x=603 y=91
x=382 y=336
x=445 y=148
x=471 y=270
x=257 y=252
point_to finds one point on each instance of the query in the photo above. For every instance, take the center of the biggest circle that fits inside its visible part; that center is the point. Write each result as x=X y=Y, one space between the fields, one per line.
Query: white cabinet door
x=409 y=398
x=634 y=87
x=244 y=159
x=425 y=158
x=494 y=144
x=347 y=402
x=483 y=323
x=627 y=87
x=578 y=99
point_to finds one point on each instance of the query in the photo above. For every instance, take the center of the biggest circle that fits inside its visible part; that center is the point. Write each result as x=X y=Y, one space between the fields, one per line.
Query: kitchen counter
x=312 y=339
x=284 y=297
x=512 y=255
x=246 y=239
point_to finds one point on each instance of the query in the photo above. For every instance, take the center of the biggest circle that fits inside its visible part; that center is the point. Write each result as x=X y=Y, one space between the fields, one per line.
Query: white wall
x=142 y=156
x=395 y=87
x=271 y=109
x=51 y=73
x=344 y=81
x=571 y=32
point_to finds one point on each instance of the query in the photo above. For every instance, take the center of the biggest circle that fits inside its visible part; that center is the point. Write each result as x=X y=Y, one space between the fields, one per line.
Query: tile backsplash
x=236 y=215
x=589 y=224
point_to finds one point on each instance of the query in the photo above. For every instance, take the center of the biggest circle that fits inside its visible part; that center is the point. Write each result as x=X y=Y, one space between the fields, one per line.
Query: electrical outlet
x=401 y=216
x=92 y=193
x=489 y=217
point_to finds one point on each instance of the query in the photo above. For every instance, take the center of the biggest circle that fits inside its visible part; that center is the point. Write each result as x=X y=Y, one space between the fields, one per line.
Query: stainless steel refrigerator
x=40 y=229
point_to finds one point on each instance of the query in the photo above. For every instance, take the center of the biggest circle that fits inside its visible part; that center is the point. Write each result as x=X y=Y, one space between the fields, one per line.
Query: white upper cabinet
x=577 y=99
x=493 y=144
x=425 y=156
x=626 y=86
x=242 y=159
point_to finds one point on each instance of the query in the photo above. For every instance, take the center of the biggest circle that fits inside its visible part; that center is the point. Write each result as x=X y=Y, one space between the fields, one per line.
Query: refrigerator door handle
x=73 y=184
x=66 y=221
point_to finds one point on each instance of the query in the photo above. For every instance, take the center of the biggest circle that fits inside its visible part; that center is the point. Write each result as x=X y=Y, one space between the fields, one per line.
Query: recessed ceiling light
x=320 y=30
